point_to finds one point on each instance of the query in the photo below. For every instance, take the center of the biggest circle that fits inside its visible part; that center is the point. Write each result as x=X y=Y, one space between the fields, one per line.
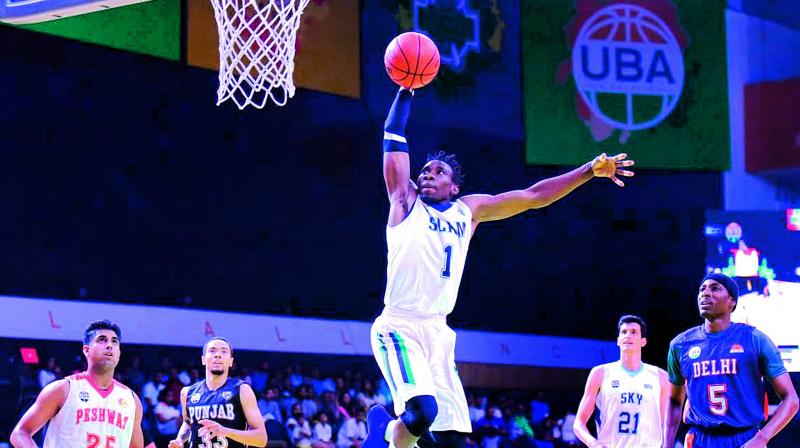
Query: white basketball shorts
x=417 y=357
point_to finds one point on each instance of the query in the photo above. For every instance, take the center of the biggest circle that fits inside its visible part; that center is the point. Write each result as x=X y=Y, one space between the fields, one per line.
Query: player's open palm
x=611 y=167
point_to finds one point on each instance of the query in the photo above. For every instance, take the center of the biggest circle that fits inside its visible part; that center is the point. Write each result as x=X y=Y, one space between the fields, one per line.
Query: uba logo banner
x=647 y=77
x=626 y=50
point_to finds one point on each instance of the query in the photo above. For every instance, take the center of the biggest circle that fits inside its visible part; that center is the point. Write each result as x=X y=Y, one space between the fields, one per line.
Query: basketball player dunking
x=428 y=233
x=219 y=411
x=90 y=409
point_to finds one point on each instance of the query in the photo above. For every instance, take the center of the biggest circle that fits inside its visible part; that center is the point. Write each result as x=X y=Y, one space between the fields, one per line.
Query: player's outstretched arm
x=47 y=404
x=255 y=436
x=396 y=163
x=782 y=384
x=185 y=430
x=543 y=193
x=586 y=408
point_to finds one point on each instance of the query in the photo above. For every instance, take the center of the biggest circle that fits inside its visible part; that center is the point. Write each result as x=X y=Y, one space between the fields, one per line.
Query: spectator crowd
x=304 y=408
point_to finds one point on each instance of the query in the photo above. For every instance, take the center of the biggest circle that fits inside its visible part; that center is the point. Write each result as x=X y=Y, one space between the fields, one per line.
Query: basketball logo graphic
x=627 y=63
x=733 y=232
x=625 y=57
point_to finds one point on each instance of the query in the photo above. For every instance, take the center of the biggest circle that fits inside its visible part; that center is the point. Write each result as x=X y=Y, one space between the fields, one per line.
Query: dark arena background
x=127 y=194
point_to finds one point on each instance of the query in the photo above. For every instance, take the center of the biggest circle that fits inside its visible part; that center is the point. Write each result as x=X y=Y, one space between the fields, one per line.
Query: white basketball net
x=256 y=50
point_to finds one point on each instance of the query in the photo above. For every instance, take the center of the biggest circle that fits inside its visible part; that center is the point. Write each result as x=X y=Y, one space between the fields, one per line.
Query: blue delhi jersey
x=723 y=373
x=222 y=405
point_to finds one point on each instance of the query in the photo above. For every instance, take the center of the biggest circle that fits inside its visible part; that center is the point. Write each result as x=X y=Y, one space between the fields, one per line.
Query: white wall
x=64 y=320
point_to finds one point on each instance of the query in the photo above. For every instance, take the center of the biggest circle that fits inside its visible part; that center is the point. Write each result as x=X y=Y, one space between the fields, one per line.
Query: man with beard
x=720 y=364
x=219 y=411
x=88 y=409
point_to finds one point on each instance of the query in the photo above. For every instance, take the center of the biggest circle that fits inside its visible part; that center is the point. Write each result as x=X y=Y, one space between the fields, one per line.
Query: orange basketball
x=412 y=60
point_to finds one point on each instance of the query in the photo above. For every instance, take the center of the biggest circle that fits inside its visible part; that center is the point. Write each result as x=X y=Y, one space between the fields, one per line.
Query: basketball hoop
x=256 y=50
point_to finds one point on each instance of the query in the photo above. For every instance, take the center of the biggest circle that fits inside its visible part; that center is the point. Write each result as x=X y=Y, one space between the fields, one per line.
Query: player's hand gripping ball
x=412 y=60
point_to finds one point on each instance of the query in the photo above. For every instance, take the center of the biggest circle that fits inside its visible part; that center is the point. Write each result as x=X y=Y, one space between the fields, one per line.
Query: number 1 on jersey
x=448 y=254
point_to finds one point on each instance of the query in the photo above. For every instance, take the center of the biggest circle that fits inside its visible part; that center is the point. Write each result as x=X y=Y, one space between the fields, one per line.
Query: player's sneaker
x=377 y=420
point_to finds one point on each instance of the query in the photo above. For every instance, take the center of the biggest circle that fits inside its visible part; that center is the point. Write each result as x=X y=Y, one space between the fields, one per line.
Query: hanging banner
x=771 y=125
x=152 y=28
x=646 y=77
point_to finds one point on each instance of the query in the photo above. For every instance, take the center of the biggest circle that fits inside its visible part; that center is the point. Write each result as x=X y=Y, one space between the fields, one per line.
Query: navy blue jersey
x=723 y=373
x=222 y=405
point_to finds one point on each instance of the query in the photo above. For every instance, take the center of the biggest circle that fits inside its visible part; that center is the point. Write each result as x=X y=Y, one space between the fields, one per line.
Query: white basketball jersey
x=427 y=252
x=629 y=404
x=91 y=417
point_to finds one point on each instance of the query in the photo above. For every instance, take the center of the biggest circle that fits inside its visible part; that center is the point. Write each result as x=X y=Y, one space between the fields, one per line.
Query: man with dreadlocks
x=428 y=233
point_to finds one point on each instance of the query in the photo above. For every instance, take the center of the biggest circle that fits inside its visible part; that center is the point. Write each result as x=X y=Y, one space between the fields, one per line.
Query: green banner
x=152 y=28
x=646 y=77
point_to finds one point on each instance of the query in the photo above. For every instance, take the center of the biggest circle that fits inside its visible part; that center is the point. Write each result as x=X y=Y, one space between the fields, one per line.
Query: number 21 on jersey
x=628 y=423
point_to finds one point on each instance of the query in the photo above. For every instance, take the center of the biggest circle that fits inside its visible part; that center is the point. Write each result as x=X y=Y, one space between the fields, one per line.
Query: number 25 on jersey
x=93 y=441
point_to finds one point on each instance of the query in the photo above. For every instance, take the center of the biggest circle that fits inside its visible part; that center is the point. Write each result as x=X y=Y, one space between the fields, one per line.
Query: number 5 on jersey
x=717 y=400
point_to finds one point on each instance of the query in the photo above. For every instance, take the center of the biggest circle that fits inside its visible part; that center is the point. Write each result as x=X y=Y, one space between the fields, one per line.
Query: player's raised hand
x=211 y=429
x=175 y=444
x=611 y=167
